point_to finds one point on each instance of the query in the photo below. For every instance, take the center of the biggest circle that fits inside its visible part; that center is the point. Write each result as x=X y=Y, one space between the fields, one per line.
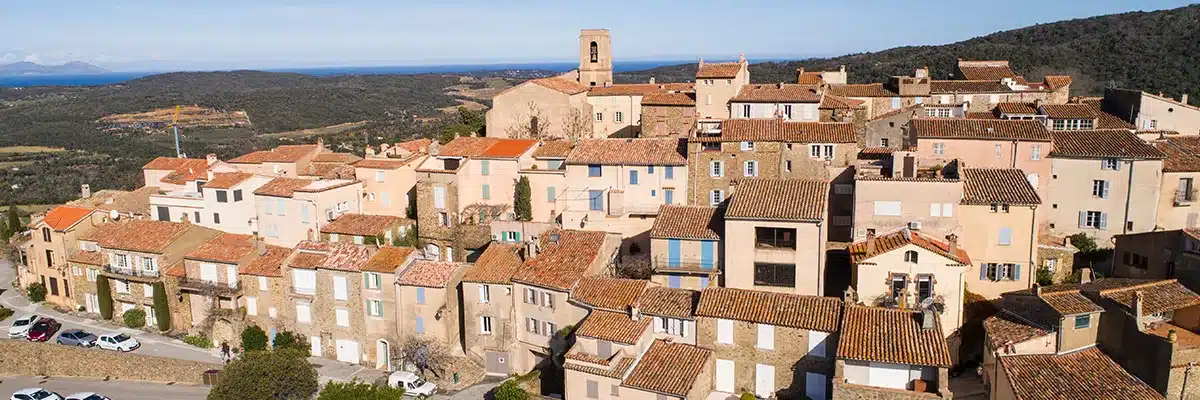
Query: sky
x=131 y=35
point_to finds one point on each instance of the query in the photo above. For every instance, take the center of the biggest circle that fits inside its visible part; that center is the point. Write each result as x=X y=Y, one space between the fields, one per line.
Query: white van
x=412 y=384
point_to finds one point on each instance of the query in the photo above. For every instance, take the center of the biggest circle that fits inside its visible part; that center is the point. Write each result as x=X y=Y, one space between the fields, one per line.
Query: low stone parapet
x=22 y=358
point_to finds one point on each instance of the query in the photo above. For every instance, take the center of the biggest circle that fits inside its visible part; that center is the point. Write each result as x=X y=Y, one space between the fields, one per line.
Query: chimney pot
x=85 y=191
x=652 y=80
x=1138 y=301
x=1184 y=98
x=952 y=244
x=1085 y=275
x=211 y=158
x=870 y=242
x=927 y=318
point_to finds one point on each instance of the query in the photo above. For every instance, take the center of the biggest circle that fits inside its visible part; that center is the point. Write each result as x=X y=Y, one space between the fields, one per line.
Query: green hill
x=1155 y=51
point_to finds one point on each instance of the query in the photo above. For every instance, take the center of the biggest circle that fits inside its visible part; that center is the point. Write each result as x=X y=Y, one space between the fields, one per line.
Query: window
x=547 y=300
x=304 y=281
x=1035 y=152
x=486 y=192
x=939 y=149
x=883 y=142
x=668 y=196
x=707 y=146
x=222 y=196
x=252 y=305
x=669 y=172
x=550 y=193
x=911 y=256
x=843 y=188
x=549 y=328
x=999 y=150
x=767 y=237
x=375 y=308
x=599 y=117
x=895 y=103
x=814 y=151
x=619 y=117
x=633 y=177
x=485 y=325
x=303 y=312
x=1186 y=191
x=439 y=197
x=716 y=169
x=890 y=208
x=217 y=218
x=342 y=316
x=92 y=274
x=1110 y=164
x=746 y=110
x=372 y=280
x=899 y=281
x=593 y=389
x=941 y=210
x=1083 y=321
x=724 y=331
x=1005 y=238
x=596 y=200
x=750 y=168
x=237 y=195
x=766 y=337
x=924 y=287
x=262 y=283
x=147 y=290
x=594 y=171
x=1100 y=189
x=816 y=343
x=747 y=146
x=420 y=295
x=1093 y=219
x=649 y=170
x=787 y=110
x=715 y=197
x=778 y=275
x=937 y=112
x=787 y=165
x=1072 y=124
x=149 y=264
x=485 y=294
x=280 y=208
x=122 y=286
x=419 y=324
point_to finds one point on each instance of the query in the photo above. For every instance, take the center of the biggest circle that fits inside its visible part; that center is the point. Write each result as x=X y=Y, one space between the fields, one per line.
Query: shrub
x=1044 y=277
x=36 y=292
x=280 y=375
x=510 y=391
x=104 y=297
x=288 y=340
x=5 y=313
x=198 y=341
x=162 y=314
x=355 y=390
x=135 y=318
x=748 y=396
x=254 y=338
x=1083 y=242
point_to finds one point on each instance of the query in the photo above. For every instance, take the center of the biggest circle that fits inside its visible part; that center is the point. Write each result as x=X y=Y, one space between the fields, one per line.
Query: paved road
x=117 y=390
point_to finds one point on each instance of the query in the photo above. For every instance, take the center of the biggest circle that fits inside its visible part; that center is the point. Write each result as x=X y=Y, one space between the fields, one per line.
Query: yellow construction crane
x=174 y=124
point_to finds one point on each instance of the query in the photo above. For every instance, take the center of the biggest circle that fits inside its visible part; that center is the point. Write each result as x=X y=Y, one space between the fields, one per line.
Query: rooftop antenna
x=175 y=126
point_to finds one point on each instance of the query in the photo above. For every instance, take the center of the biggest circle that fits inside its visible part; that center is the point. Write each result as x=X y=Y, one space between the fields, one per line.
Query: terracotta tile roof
x=361 y=224
x=780 y=309
x=508 y=148
x=329 y=171
x=876 y=151
x=605 y=293
x=433 y=274
x=554 y=149
x=227 y=180
x=830 y=101
x=619 y=368
x=1016 y=108
x=1086 y=374
x=561 y=85
x=779 y=93
x=282 y=187
x=142 y=235
x=778 y=130
x=62 y=217
x=669 y=302
x=559 y=265
x=383 y=163
x=664 y=151
x=388 y=259
x=891 y=336
x=268 y=264
x=281 y=154
x=670 y=368
x=1065 y=111
x=984 y=129
x=629 y=89
x=778 y=199
x=980 y=115
x=1006 y=328
x=130 y=202
x=340 y=158
x=1102 y=144
x=992 y=73
x=334 y=256
x=1053 y=303
x=862 y=90
x=612 y=326
x=496 y=265
x=809 y=78
x=967 y=87
x=909 y=109
x=177 y=271
x=308 y=260
x=486 y=147
x=182 y=169
x=887 y=242
x=1057 y=81
x=688 y=222
x=224 y=248
x=668 y=99
x=1157 y=295
x=718 y=70
x=88 y=257
x=1182 y=153
x=998 y=185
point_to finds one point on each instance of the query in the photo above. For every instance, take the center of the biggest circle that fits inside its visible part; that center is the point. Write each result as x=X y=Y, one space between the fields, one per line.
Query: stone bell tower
x=595 y=57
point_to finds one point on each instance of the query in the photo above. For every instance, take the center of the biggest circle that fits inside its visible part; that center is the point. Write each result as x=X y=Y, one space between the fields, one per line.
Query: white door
x=208 y=272
x=887 y=375
x=724 y=376
x=764 y=380
x=814 y=386
x=383 y=359
x=316 y=345
x=347 y=351
x=231 y=275
x=449 y=254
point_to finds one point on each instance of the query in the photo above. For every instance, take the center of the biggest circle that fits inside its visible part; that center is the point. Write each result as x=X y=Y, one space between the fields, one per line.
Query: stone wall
x=21 y=358
x=789 y=357
x=664 y=121
x=846 y=391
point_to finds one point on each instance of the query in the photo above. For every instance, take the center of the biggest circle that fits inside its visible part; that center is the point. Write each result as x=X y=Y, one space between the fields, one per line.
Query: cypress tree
x=162 y=314
x=105 y=297
x=524 y=205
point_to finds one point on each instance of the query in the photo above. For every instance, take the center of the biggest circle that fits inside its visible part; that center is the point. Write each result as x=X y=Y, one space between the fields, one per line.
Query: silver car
x=76 y=337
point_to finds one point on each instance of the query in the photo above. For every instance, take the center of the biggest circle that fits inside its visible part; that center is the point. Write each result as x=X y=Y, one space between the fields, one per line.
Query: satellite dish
x=114 y=215
x=928 y=302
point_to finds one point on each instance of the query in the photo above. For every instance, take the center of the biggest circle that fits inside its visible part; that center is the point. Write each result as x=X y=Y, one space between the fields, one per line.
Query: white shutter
x=891 y=208
x=339 y=288
x=439 y=197
x=764 y=380
x=252 y=305
x=935 y=210
x=766 y=336
x=724 y=373
x=231 y=275
x=948 y=210
x=262 y=283
x=343 y=317
x=208 y=273
x=724 y=331
x=303 y=313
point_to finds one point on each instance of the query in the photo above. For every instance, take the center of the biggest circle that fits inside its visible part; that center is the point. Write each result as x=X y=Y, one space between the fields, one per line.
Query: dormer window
x=1073 y=124
x=910 y=256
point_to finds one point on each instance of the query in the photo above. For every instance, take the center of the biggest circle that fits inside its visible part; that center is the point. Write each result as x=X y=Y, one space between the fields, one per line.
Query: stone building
x=489 y=330
x=1168 y=254
x=209 y=282
x=716 y=84
x=685 y=246
x=53 y=240
x=986 y=143
x=891 y=353
x=429 y=302
x=668 y=115
x=363 y=228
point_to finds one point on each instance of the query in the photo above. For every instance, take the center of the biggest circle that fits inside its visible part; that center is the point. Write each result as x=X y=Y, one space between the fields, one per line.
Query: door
x=673 y=253
x=497 y=363
x=315 y=341
x=724 y=372
x=894 y=376
x=764 y=380
x=208 y=273
x=707 y=254
x=383 y=359
x=347 y=351
x=814 y=386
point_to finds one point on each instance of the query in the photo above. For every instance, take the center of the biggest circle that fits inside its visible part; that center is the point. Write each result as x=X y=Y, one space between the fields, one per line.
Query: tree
x=509 y=390
x=134 y=318
x=531 y=124
x=278 y=375
x=104 y=297
x=426 y=353
x=524 y=198
x=355 y=390
x=633 y=268
x=576 y=125
x=36 y=292
x=162 y=312
x=288 y=340
x=254 y=338
x=1083 y=242
x=409 y=238
x=474 y=120
x=1044 y=277
x=14 y=220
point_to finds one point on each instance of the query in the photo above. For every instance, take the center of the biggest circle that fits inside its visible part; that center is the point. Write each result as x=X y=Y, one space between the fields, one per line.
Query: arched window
x=533 y=127
x=910 y=256
x=595 y=51
x=45 y=234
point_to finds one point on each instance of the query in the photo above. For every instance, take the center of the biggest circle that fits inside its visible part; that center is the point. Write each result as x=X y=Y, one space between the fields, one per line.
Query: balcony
x=1185 y=197
x=708 y=128
x=130 y=272
x=642 y=208
x=685 y=265
x=210 y=287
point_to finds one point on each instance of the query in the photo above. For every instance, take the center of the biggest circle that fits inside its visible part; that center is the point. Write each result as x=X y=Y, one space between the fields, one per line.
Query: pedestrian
x=225 y=352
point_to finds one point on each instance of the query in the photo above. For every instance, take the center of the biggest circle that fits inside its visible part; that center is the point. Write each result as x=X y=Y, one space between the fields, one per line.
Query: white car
x=412 y=384
x=119 y=342
x=35 y=394
x=20 y=326
x=86 y=396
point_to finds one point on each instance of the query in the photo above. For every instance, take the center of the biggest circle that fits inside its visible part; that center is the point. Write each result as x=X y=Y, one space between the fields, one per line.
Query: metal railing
x=642 y=208
x=218 y=288
x=667 y=264
x=129 y=271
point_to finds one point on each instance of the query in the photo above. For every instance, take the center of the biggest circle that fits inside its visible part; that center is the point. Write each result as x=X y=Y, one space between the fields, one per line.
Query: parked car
x=119 y=342
x=43 y=330
x=20 y=326
x=77 y=337
x=86 y=396
x=35 y=394
x=412 y=384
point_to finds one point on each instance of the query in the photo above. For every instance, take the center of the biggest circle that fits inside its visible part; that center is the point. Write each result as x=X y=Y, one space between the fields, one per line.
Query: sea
x=118 y=77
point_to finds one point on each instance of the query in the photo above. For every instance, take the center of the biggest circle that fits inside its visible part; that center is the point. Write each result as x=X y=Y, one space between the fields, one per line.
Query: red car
x=43 y=330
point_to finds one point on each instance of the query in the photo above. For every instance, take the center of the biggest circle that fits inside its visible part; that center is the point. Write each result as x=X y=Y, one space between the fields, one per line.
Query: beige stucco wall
x=915 y=199
x=712 y=95
x=61 y=245
x=741 y=254
x=236 y=216
x=1071 y=192
x=630 y=108
x=980 y=238
x=303 y=215
x=561 y=315
x=632 y=215
x=500 y=308
x=511 y=109
x=1168 y=115
x=1073 y=339
x=982 y=154
x=443 y=327
x=545 y=208
x=1184 y=214
x=394 y=193
x=872 y=278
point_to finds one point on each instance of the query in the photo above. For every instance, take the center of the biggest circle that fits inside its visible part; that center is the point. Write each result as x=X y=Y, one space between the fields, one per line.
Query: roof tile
x=560 y=264
x=433 y=274
x=688 y=222
x=605 y=293
x=780 y=309
x=668 y=99
x=998 y=185
x=612 y=326
x=670 y=368
x=664 y=151
x=778 y=93
x=896 y=239
x=1102 y=144
x=388 y=259
x=361 y=224
x=1086 y=374
x=984 y=129
x=891 y=336
x=669 y=302
x=62 y=217
x=496 y=265
x=778 y=130
x=280 y=154
x=718 y=70
x=778 y=199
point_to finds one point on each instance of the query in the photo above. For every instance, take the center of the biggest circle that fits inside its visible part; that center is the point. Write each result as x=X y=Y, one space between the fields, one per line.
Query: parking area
x=117 y=390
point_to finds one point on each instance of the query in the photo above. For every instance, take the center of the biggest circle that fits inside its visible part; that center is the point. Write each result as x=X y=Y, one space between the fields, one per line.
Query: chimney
x=634 y=313
x=842 y=68
x=85 y=191
x=1138 y=301
x=211 y=158
x=952 y=244
x=1037 y=289
x=779 y=85
x=1085 y=275
x=701 y=61
x=320 y=143
x=927 y=318
x=652 y=80
x=870 y=242
x=799 y=74
x=211 y=174
x=1184 y=98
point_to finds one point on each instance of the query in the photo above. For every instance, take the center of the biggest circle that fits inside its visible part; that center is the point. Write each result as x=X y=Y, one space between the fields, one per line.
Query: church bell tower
x=595 y=57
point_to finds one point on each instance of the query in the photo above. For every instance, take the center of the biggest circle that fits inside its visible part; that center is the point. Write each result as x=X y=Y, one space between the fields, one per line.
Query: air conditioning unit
x=495 y=236
x=914 y=225
x=330 y=215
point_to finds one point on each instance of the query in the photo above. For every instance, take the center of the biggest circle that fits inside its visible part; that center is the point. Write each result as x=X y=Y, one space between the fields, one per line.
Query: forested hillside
x=1154 y=51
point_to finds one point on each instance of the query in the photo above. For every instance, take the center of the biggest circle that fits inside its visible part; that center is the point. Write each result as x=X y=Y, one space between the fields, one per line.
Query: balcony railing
x=218 y=288
x=708 y=128
x=1185 y=196
x=667 y=264
x=642 y=208
x=129 y=271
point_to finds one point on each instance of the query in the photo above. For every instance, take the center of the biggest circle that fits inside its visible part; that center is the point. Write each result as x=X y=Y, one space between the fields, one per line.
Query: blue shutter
x=550 y=193
x=420 y=325
x=673 y=253
x=670 y=196
x=1083 y=219
x=420 y=295
x=1017 y=272
x=596 y=200
x=650 y=170
x=271 y=335
x=633 y=177
x=1005 y=236
x=487 y=192
x=983 y=272
x=670 y=171
x=554 y=164
x=594 y=170
x=673 y=282
x=703 y=282
x=485 y=166
x=707 y=248
x=1103 y=220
